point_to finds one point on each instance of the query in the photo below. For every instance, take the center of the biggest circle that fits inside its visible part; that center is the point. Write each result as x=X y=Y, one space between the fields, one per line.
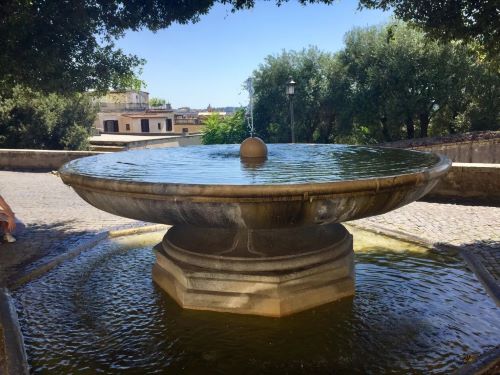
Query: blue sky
x=206 y=63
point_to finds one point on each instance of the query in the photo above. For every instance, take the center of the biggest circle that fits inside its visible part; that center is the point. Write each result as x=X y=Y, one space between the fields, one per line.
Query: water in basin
x=414 y=311
x=286 y=164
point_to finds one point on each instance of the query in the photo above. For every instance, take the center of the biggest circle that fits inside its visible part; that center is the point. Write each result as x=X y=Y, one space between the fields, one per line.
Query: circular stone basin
x=261 y=237
x=208 y=186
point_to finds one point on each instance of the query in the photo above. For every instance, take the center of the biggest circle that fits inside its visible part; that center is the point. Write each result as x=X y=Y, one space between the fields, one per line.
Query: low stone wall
x=118 y=142
x=46 y=160
x=38 y=159
x=480 y=151
x=475 y=173
x=189 y=140
x=470 y=181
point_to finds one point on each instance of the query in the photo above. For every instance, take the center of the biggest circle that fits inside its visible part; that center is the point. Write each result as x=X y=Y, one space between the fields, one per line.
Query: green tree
x=405 y=80
x=69 y=46
x=471 y=21
x=310 y=69
x=31 y=119
x=157 y=102
x=389 y=82
x=225 y=130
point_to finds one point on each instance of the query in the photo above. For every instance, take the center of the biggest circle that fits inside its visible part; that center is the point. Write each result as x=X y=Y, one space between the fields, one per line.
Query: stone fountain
x=255 y=236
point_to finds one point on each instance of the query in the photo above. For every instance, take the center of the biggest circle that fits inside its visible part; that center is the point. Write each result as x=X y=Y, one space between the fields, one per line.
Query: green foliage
x=309 y=68
x=69 y=46
x=471 y=21
x=388 y=83
x=157 y=102
x=225 y=130
x=31 y=119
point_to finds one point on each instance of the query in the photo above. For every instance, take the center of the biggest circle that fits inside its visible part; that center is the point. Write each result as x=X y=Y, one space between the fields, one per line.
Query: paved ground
x=57 y=219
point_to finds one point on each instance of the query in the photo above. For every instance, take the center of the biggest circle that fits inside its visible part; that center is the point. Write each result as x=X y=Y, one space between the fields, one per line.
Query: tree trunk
x=385 y=130
x=451 y=124
x=410 y=128
x=424 y=124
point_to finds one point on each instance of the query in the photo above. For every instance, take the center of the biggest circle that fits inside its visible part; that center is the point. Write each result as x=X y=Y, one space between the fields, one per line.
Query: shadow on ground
x=487 y=202
x=483 y=259
x=36 y=244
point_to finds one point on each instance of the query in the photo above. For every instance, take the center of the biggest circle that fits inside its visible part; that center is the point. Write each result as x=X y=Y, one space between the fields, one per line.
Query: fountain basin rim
x=373 y=184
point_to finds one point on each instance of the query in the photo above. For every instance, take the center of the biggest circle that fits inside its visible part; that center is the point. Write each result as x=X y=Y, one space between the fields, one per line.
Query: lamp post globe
x=290 y=91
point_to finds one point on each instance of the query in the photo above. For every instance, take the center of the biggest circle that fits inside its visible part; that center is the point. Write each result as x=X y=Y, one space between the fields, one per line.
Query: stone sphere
x=253 y=147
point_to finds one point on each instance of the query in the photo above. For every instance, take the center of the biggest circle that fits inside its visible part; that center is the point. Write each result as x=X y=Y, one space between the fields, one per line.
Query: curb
x=398 y=235
x=16 y=362
x=489 y=359
x=472 y=261
x=489 y=283
x=15 y=282
x=484 y=363
x=13 y=344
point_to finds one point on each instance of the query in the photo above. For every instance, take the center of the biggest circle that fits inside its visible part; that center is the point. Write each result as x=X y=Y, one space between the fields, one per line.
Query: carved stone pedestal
x=262 y=272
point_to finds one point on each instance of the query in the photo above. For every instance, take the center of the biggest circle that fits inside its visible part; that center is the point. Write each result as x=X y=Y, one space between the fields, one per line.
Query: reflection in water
x=220 y=164
x=413 y=312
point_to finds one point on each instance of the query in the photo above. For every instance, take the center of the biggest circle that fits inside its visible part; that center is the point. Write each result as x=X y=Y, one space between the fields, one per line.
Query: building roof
x=155 y=114
x=211 y=113
x=124 y=91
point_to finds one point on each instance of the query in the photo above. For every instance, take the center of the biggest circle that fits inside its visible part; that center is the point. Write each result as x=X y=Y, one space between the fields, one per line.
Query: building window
x=185 y=130
x=145 y=125
x=127 y=127
x=169 y=124
x=159 y=126
x=111 y=126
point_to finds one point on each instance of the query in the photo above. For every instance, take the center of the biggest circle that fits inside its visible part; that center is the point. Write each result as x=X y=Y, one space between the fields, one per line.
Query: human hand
x=11 y=222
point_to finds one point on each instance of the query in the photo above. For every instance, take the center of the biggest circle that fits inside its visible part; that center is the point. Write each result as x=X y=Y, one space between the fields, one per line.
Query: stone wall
x=13 y=159
x=480 y=151
x=180 y=141
x=38 y=159
x=470 y=181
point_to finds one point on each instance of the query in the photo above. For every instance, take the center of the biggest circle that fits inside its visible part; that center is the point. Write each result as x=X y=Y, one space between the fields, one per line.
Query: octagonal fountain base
x=262 y=272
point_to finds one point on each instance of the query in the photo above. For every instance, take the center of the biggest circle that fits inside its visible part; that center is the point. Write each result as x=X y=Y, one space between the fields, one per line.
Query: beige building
x=121 y=101
x=188 y=122
x=151 y=121
x=128 y=112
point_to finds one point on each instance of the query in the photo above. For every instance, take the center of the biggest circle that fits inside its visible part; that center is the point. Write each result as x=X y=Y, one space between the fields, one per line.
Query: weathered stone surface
x=45 y=160
x=255 y=206
x=269 y=273
x=470 y=181
x=264 y=249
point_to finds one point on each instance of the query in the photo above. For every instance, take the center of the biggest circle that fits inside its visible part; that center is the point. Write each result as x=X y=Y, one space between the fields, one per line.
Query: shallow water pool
x=414 y=311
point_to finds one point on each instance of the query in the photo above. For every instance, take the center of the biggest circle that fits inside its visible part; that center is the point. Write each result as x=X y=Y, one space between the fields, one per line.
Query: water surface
x=413 y=312
x=286 y=164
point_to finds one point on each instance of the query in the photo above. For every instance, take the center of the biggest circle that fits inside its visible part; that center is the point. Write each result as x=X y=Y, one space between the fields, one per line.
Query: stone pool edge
x=472 y=260
x=12 y=343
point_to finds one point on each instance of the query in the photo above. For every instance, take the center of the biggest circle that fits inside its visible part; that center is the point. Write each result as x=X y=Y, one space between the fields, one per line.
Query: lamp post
x=290 y=91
